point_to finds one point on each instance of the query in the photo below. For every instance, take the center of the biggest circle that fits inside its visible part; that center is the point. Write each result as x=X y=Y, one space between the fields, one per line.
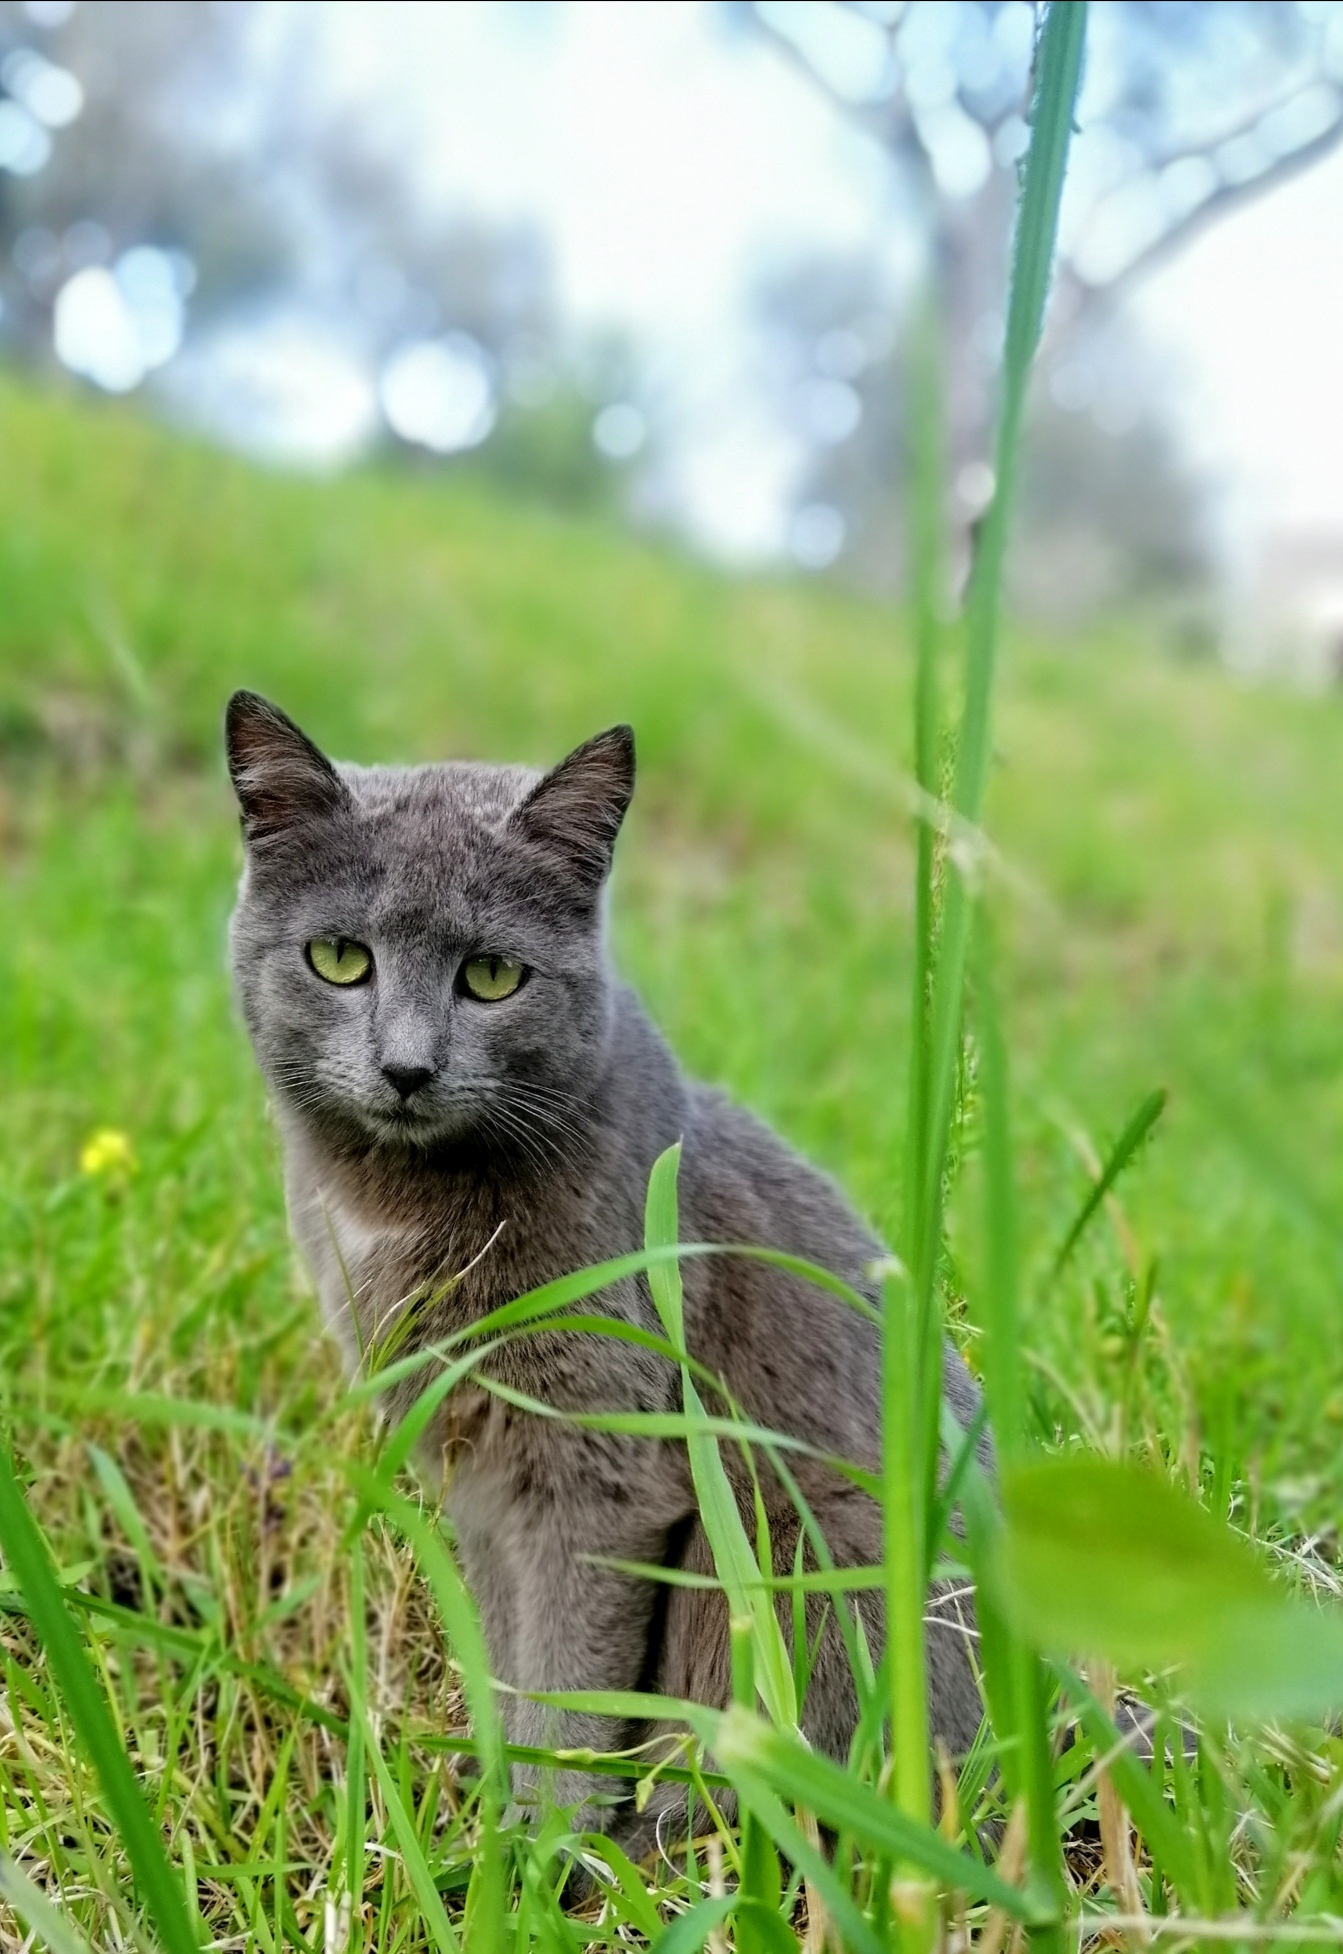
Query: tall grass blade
x=457 y=1610
x=1025 y=1692
x=356 y=1797
x=486 y=1898
x=437 y=1927
x=32 y=1905
x=1057 y=77
x=27 y=1555
x=906 y=1589
x=734 y=1558
x=1004 y=1385
x=1128 y=1143
x=912 y=1368
x=907 y=1549
x=927 y=492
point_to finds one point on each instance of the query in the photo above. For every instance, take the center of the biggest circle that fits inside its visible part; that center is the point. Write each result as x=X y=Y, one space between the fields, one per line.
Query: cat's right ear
x=281 y=779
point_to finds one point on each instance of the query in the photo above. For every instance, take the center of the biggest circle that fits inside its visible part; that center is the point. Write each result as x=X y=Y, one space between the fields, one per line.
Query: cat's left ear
x=576 y=811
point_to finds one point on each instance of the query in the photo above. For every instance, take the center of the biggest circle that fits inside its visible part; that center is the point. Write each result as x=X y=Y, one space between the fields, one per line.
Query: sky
x=669 y=160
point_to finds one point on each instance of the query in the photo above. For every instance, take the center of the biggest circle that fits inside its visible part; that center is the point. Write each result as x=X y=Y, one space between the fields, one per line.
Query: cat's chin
x=415 y=1131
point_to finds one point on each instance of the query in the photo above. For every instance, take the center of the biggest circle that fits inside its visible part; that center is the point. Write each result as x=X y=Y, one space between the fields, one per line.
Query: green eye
x=338 y=960
x=490 y=978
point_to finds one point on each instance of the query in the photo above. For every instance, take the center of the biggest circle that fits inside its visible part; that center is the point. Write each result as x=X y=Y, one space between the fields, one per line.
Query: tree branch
x=1266 y=106
x=1222 y=203
x=890 y=122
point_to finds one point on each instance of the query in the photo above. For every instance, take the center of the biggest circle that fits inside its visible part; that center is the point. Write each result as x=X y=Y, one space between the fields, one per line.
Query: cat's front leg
x=577 y=1627
x=577 y=1501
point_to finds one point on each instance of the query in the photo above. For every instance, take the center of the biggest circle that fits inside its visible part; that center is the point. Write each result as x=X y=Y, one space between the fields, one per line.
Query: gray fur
x=524 y=1156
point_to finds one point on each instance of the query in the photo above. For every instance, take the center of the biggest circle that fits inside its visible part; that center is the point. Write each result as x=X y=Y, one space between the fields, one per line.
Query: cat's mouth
x=408 y=1124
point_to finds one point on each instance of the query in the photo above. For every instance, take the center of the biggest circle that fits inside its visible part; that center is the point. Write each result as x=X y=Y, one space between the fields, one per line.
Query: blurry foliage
x=196 y=137
x=543 y=444
x=1190 y=108
x=155 y=155
x=1109 y=513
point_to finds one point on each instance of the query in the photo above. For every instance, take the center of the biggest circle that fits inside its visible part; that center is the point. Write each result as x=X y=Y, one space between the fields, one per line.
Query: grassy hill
x=1169 y=885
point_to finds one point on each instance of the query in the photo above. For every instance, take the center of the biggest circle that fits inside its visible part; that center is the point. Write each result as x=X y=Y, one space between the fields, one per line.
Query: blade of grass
x=456 y=1607
x=733 y=1557
x=1057 y=76
x=538 y=1305
x=927 y=477
x=434 y=1917
x=1004 y=1387
x=912 y=1367
x=33 y=1906
x=688 y=1933
x=1128 y=1143
x=356 y=1798
x=906 y=1550
x=27 y=1554
x=906 y=1597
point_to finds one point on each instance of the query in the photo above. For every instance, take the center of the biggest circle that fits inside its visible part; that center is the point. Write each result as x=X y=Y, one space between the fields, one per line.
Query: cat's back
x=802 y=1358
x=746 y=1175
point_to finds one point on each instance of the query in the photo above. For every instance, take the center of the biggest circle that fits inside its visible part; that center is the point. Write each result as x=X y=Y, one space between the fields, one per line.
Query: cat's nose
x=407 y=1078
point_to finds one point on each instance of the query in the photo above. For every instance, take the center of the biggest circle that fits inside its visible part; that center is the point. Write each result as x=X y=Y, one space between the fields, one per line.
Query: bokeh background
x=469 y=376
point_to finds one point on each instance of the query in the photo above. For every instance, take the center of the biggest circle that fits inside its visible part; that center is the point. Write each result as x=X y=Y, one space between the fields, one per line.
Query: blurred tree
x=1107 y=512
x=164 y=169
x=119 y=128
x=415 y=287
x=1190 y=108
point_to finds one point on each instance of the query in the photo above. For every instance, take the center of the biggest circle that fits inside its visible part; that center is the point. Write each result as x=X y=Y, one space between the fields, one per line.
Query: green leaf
x=761 y=1929
x=1110 y=1560
x=638 y=1904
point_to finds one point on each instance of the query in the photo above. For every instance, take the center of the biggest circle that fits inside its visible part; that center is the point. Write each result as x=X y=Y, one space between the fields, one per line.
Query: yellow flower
x=107 y=1152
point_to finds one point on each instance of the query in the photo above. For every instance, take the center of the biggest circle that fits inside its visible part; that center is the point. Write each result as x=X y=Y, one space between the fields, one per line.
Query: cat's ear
x=281 y=779
x=576 y=811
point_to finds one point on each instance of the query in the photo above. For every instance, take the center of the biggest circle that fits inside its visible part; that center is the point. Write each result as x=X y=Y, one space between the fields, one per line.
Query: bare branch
x=889 y=122
x=1247 y=123
x=1222 y=203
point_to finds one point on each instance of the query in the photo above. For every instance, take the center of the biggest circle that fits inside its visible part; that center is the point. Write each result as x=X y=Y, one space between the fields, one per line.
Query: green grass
x=1169 y=857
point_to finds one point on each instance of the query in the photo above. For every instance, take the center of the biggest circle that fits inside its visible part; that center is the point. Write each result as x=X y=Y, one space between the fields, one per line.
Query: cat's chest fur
x=403 y=1259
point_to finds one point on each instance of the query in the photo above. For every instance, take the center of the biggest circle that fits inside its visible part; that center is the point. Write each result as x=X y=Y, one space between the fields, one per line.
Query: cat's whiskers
x=537 y=1146
x=547 y=1121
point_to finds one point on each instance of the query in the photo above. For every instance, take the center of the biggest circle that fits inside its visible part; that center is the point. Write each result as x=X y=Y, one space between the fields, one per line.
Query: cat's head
x=419 y=951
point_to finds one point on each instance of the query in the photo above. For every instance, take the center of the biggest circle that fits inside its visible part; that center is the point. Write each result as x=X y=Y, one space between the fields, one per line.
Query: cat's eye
x=338 y=960
x=491 y=978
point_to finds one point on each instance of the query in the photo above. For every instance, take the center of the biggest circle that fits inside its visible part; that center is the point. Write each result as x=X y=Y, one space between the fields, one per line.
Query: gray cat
x=462 y=1084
